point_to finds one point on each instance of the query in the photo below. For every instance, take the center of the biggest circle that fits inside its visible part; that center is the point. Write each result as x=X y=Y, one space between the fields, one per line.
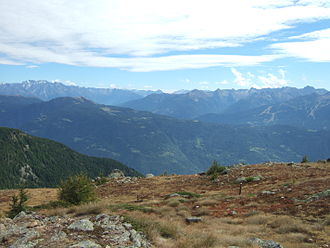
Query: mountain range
x=195 y=103
x=36 y=162
x=309 y=112
x=46 y=90
x=155 y=143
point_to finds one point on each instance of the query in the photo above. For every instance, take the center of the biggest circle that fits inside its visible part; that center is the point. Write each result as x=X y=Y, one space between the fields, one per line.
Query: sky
x=168 y=45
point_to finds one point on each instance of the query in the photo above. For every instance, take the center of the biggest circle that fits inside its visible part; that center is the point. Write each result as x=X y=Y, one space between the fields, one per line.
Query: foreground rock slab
x=33 y=230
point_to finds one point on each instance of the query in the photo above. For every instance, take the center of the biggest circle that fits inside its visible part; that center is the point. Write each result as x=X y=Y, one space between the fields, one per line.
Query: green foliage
x=305 y=159
x=101 y=179
x=48 y=162
x=77 y=189
x=178 y=146
x=164 y=174
x=18 y=203
x=215 y=170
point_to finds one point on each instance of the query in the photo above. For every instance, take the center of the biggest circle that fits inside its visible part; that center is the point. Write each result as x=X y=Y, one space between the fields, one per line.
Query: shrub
x=18 y=203
x=100 y=180
x=305 y=159
x=77 y=189
x=215 y=169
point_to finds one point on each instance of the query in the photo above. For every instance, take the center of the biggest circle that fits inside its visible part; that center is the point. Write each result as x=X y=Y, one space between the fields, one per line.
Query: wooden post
x=240 y=189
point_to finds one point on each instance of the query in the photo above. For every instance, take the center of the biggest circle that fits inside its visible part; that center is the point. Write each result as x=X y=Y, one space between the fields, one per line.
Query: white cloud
x=4 y=61
x=313 y=46
x=268 y=80
x=32 y=66
x=91 y=33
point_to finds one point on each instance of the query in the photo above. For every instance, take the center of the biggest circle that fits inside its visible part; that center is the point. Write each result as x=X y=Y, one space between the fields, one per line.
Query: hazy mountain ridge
x=46 y=90
x=155 y=143
x=197 y=102
x=309 y=112
x=38 y=162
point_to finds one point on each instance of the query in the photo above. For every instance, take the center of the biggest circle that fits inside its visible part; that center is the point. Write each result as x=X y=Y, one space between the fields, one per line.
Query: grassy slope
x=292 y=216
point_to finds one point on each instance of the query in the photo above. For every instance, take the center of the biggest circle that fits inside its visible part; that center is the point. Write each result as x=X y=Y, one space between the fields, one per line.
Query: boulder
x=149 y=175
x=82 y=225
x=116 y=173
x=193 y=219
x=266 y=243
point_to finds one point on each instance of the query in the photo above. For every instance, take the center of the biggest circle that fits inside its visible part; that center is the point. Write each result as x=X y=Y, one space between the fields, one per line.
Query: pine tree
x=18 y=203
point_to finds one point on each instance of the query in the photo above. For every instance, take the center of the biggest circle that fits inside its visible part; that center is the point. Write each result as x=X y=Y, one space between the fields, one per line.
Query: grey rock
x=82 y=225
x=174 y=195
x=248 y=179
x=58 y=236
x=193 y=219
x=86 y=244
x=240 y=180
x=116 y=174
x=27 y=241
x=21 y=215
x=149 y=175
x=266 y=192
x=266 y=243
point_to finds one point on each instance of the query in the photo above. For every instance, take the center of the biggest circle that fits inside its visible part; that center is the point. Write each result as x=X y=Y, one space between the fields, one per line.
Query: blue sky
x=168 y=45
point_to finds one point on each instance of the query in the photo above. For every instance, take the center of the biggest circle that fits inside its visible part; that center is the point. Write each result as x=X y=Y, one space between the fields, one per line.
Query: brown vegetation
x=285 y=206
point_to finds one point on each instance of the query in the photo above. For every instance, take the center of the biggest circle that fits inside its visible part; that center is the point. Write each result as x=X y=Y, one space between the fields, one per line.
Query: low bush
x=215 y=169
x=77 y=189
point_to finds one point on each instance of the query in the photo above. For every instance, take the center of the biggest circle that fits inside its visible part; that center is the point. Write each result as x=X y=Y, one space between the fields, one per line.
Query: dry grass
x=257 y=220
x=173 y=202
x=258 y=215
x=201 y=211
x=207 y=202
x=198 y=240
x=93 y=208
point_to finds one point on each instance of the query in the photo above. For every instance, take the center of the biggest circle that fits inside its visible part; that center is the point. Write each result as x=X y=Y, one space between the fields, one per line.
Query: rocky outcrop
x=33 y=230
x=116 y=174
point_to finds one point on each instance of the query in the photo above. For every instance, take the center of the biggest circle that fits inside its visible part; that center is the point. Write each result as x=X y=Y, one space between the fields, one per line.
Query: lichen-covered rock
x=82 y=225
x=116 y=173
x=32 y=230
x=266 y=243
x=86 y=244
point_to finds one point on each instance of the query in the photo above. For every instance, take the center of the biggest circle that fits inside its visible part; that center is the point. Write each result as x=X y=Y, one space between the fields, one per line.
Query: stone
x=240 y=180
x=149 y=175
x=174 y=195
x=21 y=215
x=32 y=224
x=193 y=219
x=58 y=236
x=27 y=240
x=86 y=244
x=116 y=174
x=266 y=192
x=34 y=231
x=266 y=243
x=82 y=225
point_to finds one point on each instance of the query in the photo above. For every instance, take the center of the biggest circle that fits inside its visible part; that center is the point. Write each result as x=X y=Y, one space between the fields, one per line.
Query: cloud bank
x=149 y=35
